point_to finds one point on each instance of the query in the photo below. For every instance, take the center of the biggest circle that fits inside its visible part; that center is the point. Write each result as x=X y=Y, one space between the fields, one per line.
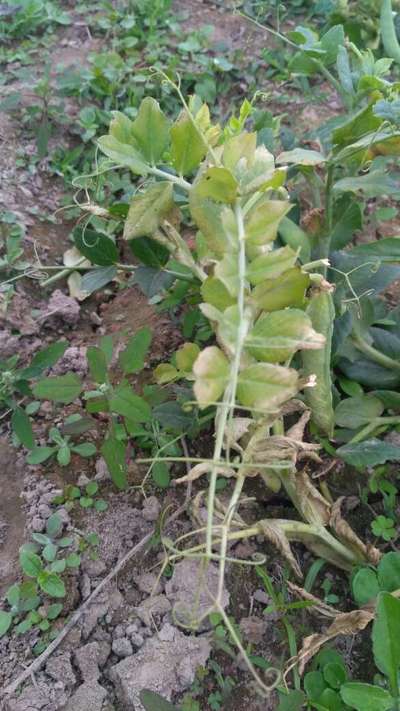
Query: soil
x=95 y=665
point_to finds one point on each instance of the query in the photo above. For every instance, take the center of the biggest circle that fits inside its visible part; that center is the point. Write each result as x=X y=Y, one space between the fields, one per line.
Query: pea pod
x=292 y=235
x=388 y=31
x=321 y=311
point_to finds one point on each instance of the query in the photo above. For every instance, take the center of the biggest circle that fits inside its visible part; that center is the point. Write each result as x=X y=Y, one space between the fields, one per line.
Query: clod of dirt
x=253 y=629
x=165 y=667
x=149 y=583
x=153 y=607
x=191 y=589
x=89 y=696
x=104 y=603
x=73 y=361
x=11 y=515
x=62 y=306
x=122 y=647
x=19 y=316
x=87 y=660
x=151 y=508
x=8 y=344
x=60 y=667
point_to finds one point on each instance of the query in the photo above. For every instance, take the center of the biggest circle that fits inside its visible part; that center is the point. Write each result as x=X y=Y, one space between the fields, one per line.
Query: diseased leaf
x=114 y=453
x=186 y=355
x=217 y=184
x=150 y=129
x=123 y=154
x=262 y=220
x=278 y=335
x=211 y=371
x=132 y=358
x=301 y=156
x=271 y=265
x=288 y=290
x=187 y=146
x=61 y=388
x=148 y=209
x=265 y=386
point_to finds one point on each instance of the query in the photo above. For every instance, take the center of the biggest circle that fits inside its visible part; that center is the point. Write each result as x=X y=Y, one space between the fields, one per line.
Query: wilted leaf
x=278 y=335
x=276 y=535
x=271 y=265
x=349 y=537
x=148 y=209
x=205 y=468
x=301 y=156
x=288 y=290
x=186 y=355
x=217 y=184
x=265 y=386
x=262 y=221
x=211 y=371
x=187 y=146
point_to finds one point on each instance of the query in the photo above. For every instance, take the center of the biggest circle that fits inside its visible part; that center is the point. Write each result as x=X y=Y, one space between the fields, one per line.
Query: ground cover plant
x=207 y=385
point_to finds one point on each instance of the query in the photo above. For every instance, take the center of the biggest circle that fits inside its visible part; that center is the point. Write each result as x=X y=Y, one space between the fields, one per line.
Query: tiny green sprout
x=384 y=528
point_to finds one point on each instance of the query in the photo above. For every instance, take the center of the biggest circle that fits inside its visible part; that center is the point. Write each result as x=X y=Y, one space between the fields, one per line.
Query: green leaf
x=96 y=279
x=73 y=560
x=40 y=454
x=374 y=184
x=293 y=701
x=45 y=359
x=148 y=209
x=86 y=502
x=278 y=335
x=265 y=386
x=49 y=552
x=51 y=584
x=154 y=702
x=386 y=638
x=131 y=359
x=211 y=371
x=150 y=130
x=187 y=146
x=54 y=610
x=314 y=685
x=64 y=455
x=292 y=235
x=92 y=488
x=160 y=474
x=62 y=388
x=86 y=449
x=288 y=290
x=369 y=453
x=76 y=424
x=5 y=622
x=215 y=292
x=100 y=505
x=114 y=453
x=334 y=675
x=58 y=566
x=358 y=411
x=218 y=184
x=95 y=246
x=365 y=586
x=271 y=265
x=30 y=563
x=22 y=427
x=366 y=697
x=123 y=154
x=389 y=572
x=149 y=252
x=171 y=416
x=350 y=220
x=125 y=402
x=107 y=345
x=54 y=525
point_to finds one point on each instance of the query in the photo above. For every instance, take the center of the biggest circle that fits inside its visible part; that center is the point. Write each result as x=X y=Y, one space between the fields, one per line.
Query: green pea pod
x=321 y=311
x=388 y=31
x=292 y=235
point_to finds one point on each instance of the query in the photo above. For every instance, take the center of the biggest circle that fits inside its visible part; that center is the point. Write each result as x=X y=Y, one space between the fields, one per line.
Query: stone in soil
x=88 y=697
x=166 y=667
x=153 y=607
x=60 y=668
x=191 y=589
x=87 y=661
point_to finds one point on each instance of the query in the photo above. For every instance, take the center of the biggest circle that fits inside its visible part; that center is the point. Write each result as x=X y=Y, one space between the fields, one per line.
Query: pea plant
x=272 y=315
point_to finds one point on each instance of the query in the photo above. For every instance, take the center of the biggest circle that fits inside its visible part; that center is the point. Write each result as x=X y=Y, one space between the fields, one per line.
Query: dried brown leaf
x=349 y=537
x=271 y=529
x=204 y=468
x=318 y=605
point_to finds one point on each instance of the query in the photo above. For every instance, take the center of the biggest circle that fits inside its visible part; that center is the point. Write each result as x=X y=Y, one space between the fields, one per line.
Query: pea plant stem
x=230 y=391
x=374 y=354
